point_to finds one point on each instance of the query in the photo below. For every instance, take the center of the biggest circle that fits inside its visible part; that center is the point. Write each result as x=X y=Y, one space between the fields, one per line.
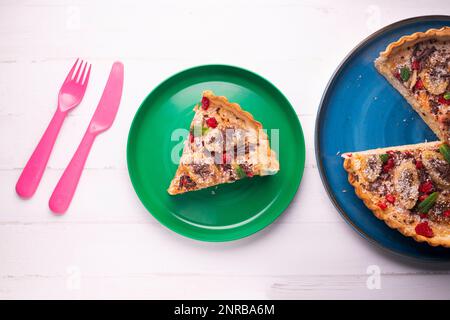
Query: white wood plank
x=125 y=205
x=120 y=249
x=409 y=286
x=74 y=285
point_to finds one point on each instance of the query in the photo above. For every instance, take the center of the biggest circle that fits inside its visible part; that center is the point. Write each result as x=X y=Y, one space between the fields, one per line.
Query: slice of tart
x=418 y=66
x=408 y=187
x=225 y=144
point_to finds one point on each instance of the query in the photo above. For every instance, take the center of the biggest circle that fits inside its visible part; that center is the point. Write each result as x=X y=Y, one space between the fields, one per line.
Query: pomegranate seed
x=389 y=165
x=390 y=152
x=349 y=155
x=407 y=153
x=382 y=205
x=442 y=100
x=423 y=215
x=419 y=85
x=424 y=229
x=184 y=180
x=419 y=164
x=390 y=198
x=423 y=197
x=426 y=187
x=191 y=137
x=415 y=65
x=205 y=103
x=446 y=213
x=211 y=122
x=226 y=158
x=397 y=75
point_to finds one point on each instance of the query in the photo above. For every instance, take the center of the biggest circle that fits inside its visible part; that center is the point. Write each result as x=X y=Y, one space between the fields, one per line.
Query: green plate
x=229 y=211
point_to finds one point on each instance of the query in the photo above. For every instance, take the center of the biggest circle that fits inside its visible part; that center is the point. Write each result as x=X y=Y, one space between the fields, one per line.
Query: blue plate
x=361 y=110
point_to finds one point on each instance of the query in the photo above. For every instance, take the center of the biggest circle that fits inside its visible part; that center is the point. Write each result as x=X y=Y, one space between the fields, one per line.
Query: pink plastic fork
x=70 y=95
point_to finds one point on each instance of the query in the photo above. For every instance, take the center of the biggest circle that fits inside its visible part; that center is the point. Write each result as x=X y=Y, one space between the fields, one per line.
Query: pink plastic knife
x=101 y=120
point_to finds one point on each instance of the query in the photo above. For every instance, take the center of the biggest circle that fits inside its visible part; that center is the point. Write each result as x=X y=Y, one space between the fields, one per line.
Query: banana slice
x=371 y=167
x=437 y=167
x=406 y=184
x=434 y=85
x=413 y=80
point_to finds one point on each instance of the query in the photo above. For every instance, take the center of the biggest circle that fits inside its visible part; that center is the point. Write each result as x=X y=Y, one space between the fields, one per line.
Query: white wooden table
x=108 y=245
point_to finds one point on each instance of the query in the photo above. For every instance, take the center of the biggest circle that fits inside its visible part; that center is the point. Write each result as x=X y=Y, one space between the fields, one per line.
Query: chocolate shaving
x=434 y=107
x=186 y=182
x=422 y=54
x=201 y=169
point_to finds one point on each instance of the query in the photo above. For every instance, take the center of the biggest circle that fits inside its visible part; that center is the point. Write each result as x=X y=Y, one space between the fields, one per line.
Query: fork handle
x=34 y=169
x=65 y=189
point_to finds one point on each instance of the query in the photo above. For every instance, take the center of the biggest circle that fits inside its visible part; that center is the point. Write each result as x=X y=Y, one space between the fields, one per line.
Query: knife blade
x=109 y=102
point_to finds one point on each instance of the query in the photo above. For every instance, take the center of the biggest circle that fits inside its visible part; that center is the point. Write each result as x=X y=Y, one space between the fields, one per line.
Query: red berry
x=415 y=65
x=426 y=187
x=424 y=229
x=389 y=165
x=390 y=198
x=419 y=164
x=205 y=103
x=191 y=137
x=419 y=85
x=211 y=122
x=442 y=100
x=423 y=197
x=423 y=215
x=397 y=75
x=446 y=213
x=226 y=158
x=184 y=180
x=382 y=205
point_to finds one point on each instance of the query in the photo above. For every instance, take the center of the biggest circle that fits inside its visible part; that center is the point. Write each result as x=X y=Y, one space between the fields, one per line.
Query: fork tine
x=80 y=80
x=69 y=76
x=78 y=71
x=87 y=76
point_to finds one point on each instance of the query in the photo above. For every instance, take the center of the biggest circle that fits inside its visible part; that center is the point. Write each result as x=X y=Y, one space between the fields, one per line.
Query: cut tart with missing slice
x=225 y=144
x=418 y=66
x=408 y=187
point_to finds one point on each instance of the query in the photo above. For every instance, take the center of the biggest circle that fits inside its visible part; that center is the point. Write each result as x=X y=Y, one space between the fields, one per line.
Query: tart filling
x=411 y=185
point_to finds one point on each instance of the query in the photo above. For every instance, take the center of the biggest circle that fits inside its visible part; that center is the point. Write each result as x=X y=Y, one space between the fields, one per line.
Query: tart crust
x=395 y=217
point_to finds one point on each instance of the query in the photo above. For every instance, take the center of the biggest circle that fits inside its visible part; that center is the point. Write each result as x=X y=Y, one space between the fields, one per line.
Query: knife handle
x=65 y=189
x=34 y=169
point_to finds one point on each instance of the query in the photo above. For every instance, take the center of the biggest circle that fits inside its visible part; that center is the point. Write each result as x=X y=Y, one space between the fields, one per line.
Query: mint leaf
x=405 y=73
x=384 y=157
x=240 y=172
